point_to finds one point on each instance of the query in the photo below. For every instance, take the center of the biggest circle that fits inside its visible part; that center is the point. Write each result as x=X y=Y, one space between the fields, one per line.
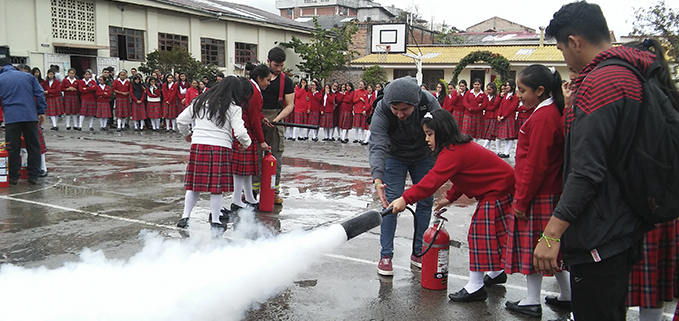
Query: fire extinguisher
x=268 y=183
x=4 y=166
x=435 y=249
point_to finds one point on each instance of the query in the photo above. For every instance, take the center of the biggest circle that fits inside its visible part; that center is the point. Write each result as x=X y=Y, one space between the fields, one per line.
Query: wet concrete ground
x=104 y=188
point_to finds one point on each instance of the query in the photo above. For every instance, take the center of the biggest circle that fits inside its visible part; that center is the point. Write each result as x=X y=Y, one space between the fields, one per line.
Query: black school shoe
x=217 y=229
x=464 y=296
x=488 y=281
x=554 y=301
x=533 y=310
x=183 y=222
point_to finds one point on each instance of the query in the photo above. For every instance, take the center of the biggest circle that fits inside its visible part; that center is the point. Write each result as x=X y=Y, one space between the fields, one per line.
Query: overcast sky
x=532 y=13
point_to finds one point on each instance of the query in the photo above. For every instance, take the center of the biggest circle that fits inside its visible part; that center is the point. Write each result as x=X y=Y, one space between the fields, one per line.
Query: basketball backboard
x=393 y=35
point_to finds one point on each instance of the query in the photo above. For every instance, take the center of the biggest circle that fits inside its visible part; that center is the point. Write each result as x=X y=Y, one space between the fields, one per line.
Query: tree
x=449 y=37
x=178 y=60
x=374 y=74
x=659 y=21
x=412 y=16
x=327 y=50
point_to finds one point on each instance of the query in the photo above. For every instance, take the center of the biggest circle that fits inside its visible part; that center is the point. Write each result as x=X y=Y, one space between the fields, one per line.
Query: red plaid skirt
x=519 y=123
x=54 y=106
x=122 y=107
x=326 y=120
x=524 y=235
x=209 y=169
x=366 y=126
x=71 y=105
x=507 y=129
x=170 y=111
x=490 y=131
x=246 y=162
x=358 y=121
x=103 y=110
x=488 y=234
x=138 y=111
x=345 y=120
x=472 y=125
x=41 y=138
x=313 y=118
x=300 y=117
x=653 y=278
x=88 y=108
x=290 y=118
x=153 y=109
x=459 y=117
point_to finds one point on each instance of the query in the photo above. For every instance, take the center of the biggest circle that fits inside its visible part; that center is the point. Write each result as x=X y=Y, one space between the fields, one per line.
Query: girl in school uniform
x=88 y=101
x=458 y=109
x=102 y=92
x=153 y=103
x=337 y=89
x=359 y=111
x=218 y=117
x=327 y=112
x=474 y=103
x=70 y=88
x=451 y=99
x=121 y=88
x=301 y=107
x=53 y=96
x=202 y=87
x=138 y=96
x=477 y=173
x=315 y=107
x=183 y=85
x=346 y=108
x=522 y=115
x=490 y=122
x=371 y=97
x=246 y=162
x=507 y=117
x=170 y=108
x=539 y=158
x=440 y=92
x=191 y=93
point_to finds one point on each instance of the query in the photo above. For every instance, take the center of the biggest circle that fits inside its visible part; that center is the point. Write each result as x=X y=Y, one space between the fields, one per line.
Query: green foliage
x=327 y=50
x=659 y=21
x=179 y=60
x=449 y=37
x=499 y=63
x=412 y=16
x=374 y=74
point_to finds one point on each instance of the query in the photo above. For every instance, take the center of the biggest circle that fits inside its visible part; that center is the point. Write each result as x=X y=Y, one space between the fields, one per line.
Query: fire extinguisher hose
x=387 y=211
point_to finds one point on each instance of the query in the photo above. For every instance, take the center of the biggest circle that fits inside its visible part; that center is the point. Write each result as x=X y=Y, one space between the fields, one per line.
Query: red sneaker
x=384 y=267
x=416 y=261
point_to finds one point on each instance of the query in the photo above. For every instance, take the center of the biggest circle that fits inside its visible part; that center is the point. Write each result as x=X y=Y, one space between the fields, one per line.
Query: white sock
x=238 y=185
x=120 y=123
x=80 y=123
x=141 y=124
x=314 y=133
x=54 y=121
x=367 y=136
x=102 y=122
x=288 y=132
x=136 y=124
x=475 y=282
x=249 y=196
x=508 y=146
x=497 y=145
x=332 y=132
x=174 y=124
x=190 y=200
x=337 y=130
x=306 y=133
x=534 y=284
x=494 y=274
x=646 y=314
x=356 y=133
x=91 y=121
x=362 y=132
x=216 y=207
x=167 y=124
x=75 y=121
x=564 y=280
x=485 y=143
x=43 y=165
x=345 y=134
x=68 y=120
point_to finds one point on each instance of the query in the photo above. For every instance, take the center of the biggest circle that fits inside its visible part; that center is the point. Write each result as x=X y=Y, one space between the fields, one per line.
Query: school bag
x=649 y=174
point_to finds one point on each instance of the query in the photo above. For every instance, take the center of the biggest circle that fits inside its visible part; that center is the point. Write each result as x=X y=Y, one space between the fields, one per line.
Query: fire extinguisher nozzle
x=362 y=223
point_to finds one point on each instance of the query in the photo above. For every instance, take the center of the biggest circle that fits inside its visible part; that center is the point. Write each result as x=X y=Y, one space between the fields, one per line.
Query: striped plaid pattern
x=41 y=138
x=245 y=163
x=366 y=126
x=103 y=110
x=138 y=111
x=153 y=110
x=345 y=120
x=71 y=105
x=123 y=107
x=507 y=129
x=88 y=108
x=54 y=106
x=290 y=118
x=459 y=117
x=490 y=129
x=300 y=117
x=488 y=234
x=209 y=169
x=358 y=120
x=652 y=280
x=522 y=235
x=326 y=120
x=519 y=123
x=472 y=125
x=170 y=111
x=313 y=118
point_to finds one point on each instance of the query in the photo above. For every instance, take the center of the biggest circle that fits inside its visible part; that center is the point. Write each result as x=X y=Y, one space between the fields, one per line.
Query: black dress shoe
x=533 y=310
x=183 y=222
x=91 y=129
x=68 y=128
x=364 y=143
x=315 y=139
x=43 y=173
x=355 y=141
x=554 y=301
x=464 y=296
x=235 y=207
x=488 y=281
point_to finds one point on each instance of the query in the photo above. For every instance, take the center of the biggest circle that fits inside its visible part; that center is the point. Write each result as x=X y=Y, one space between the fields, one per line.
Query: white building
x=95 y=34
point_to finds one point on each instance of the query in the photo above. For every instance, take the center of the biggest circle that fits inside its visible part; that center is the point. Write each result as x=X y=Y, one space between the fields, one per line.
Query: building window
x=290 y=12
x=245 y=53
x=212 y=51
x=167 y=41
x=126 y=44
x=73 y=20
x=18 y=60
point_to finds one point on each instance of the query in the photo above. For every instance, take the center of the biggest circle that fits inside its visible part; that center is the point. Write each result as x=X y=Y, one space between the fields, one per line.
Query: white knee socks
x=43 y=165
x=650 y=314
x=91 y=121
x=497 y=145
x=508 y=146
x=216 y=207
x=120 y=123
x=249 y=197
x=475 y=282
x=102 y=122
x=167 y=124
x=564 y=280
x=294 y=133
x=54 y=121
x=190 y=200
x=68 y=120
x=174 y=124
x=367 y=136
x=75 y=120
x=485 y=143
x=534 y=284
x=238 y=186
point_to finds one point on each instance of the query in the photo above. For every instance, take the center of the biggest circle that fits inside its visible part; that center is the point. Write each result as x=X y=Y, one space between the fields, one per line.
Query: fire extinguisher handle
x=386 y=211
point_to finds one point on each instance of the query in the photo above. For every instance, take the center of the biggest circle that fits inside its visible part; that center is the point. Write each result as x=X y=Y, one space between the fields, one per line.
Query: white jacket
x=206 y=132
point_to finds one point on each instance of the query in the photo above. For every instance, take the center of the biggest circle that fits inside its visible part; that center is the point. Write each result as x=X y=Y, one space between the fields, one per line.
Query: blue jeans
x=395 y=177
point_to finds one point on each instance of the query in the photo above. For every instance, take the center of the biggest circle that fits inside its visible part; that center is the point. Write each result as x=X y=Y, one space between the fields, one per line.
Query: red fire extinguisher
x=4 y=166
x=435 y=249
x=268 y=183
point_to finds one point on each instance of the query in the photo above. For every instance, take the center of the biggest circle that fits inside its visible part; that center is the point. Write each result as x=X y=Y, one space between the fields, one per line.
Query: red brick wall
x=422 y=37
x=325 y=11
x=308 y=11
x=361 y=41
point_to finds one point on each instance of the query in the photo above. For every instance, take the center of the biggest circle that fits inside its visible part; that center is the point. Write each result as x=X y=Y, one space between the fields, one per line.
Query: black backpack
x=649 y=174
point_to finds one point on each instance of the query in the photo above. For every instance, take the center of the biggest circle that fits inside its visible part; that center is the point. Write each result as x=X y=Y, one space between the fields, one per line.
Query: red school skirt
x=459 y=117
x=313 y=118
x=300 y=117
x=41 y=138
x=245 y=162
x=490 y=128
x=138 y=110
x=358 y=120
x=103 y=110
x=153 y=109
x=54 y=107
x=71 y=104
x=326 y=120
x=170 y=111
x=488 y=234
x=345 y=120
x=209 y=169
x=507 y=128
x=88 y=108
x=122 y=107
x=472 y=125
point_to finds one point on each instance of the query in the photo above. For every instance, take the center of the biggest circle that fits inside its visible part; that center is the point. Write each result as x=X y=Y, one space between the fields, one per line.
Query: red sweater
x=65 y=84
x=508 y=106
x=191 y=93
x=329 y=103
x=103 y=95
x=359 y=105
x=315 y=101
x=473 y=170
x=369 y=103
x=182 y=85
x=301 y=100
x=252 y=116
x=87 y=90
x=472 y=102
x=118 y=85
x=450 y=102
x=492 y=107
x=170 y=94
x=458 y=105
x=346 y=101
x=539 y=156
x=54 y=90
x=524 y=112
x=153 y=94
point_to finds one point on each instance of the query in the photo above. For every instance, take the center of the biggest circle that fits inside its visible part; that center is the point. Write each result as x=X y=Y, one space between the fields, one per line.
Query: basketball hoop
x=382 y=52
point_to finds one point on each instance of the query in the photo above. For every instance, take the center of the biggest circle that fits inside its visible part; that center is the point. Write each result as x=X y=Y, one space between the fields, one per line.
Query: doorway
x=477 y=74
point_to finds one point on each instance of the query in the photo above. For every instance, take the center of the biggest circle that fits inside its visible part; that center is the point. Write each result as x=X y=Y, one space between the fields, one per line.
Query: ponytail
x=557 y=92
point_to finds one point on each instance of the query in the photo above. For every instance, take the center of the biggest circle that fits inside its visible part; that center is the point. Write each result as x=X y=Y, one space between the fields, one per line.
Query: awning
x=78 y=45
